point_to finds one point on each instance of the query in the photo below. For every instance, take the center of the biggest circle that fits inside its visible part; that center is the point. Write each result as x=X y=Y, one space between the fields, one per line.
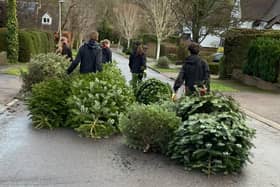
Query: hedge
x=30 y=43
x=237 y=44
x=263 y=59
x=3 y=41
x=13 y=32
x=214 y=68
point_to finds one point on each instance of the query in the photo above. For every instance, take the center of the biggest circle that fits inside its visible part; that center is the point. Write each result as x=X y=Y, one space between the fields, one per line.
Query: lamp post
x=60 y=13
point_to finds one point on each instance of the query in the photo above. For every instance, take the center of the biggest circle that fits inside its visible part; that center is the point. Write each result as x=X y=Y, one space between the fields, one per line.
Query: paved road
x=31 y=157
x=125 y=70
x=9 y=87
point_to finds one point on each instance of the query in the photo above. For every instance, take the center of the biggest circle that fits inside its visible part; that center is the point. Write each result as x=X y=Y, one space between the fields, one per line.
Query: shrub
x=163 y=62
x=47 y=104
x=105 y=30
x=148 y=38
x=12 y=31
x=26 y=48
x=237 y=44
x=213 y=136
x=212 y=143
x=211 y=103
x=149 y=128
x=43 y=67
x=96 y=102
x=214 y=68
x=153 y=91
x=263 y=59
x=172 y=57
x=3 y=39
x=222 y=73
x=30 y=43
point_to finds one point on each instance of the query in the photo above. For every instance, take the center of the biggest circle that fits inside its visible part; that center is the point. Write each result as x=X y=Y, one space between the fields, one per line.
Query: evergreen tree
x=12 y=36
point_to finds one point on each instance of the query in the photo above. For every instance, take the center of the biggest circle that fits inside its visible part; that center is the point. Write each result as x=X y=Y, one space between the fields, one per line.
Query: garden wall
x=30 y=43
x=237 y=43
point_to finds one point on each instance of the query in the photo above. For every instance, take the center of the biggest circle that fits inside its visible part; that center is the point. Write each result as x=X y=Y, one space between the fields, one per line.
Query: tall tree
x=203 y=17
x=161 y=18
x=80 y=18
x=127 y=20
x=12 y=37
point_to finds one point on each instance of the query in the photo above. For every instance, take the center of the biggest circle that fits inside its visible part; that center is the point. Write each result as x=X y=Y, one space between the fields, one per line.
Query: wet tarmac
x=30 y=157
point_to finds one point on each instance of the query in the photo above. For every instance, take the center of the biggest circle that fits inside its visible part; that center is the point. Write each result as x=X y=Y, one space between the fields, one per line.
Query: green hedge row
x=237 y=44
x=214 y=68
x=30 y=43
x=263 y=59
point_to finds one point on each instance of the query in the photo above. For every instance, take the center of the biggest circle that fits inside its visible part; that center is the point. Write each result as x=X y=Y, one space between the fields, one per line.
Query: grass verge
x=15 y=69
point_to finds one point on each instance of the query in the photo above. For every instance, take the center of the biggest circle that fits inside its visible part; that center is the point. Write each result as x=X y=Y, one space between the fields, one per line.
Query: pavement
x=259 y=104
x=9 y=88
x=30 y=157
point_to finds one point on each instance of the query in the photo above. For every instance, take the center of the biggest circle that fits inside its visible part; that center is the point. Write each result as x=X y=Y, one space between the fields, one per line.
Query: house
x=252 y=14
x=34 y=14
x=260 y=14
x=46 y=19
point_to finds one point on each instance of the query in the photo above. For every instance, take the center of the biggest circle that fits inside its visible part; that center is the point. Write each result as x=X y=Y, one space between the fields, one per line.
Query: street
x=30 y=157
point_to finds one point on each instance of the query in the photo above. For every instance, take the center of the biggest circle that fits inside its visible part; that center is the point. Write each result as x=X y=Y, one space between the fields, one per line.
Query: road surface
x=30 y=157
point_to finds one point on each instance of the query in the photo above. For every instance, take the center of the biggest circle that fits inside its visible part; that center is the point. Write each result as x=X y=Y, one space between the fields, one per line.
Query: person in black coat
x=89 y=55
x=195 y=72
x=137 y=64
x=106 y=51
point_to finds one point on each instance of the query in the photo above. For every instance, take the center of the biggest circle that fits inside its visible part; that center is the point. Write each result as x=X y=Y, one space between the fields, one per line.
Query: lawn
x=222 y=87
x=166 y=70
x=15 y=69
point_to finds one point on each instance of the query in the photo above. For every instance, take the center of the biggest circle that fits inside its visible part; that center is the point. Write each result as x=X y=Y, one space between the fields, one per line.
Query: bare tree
x=80 y=18
x=127 y=20
x=203 y=17
x=161 y=18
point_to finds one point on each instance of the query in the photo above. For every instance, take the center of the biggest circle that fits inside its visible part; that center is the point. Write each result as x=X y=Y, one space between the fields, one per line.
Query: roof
x=273 y=12
x=46 y=15
x=262 y=10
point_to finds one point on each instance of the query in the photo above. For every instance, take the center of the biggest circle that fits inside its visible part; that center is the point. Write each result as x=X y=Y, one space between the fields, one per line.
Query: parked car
x=217 y=57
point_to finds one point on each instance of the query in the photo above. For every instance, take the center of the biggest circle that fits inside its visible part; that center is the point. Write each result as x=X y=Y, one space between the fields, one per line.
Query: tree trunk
x=195 y=33
x=158 y=48
x=128 y=43
x=119 y=43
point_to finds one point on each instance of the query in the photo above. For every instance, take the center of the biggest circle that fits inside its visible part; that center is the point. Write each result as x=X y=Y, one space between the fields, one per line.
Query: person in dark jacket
x=89 y=55
x=137 y=64
x=195 y=72
x=106 y=51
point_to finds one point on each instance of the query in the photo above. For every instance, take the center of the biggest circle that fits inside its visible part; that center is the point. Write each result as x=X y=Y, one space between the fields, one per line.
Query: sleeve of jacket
x=74 y=63
x=110 y=55
x=180 y=79
x=69 y=54
x=130 y=61
x=144 y=62
x=206 y=71
x=99 y=60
